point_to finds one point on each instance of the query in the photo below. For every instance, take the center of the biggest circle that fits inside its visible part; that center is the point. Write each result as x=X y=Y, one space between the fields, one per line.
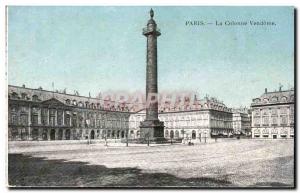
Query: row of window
x=23 y=96
x=274 y=136
x=193 y=107
x=275 y=99
x=68 y=121
x=274 y=111
x=274 y=120
x=108 y=106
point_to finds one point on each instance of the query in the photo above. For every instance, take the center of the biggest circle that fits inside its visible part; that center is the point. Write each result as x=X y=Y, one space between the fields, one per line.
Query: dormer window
x=292 y=97
x=14 y=95
x=283 y=99
x=35 y=98
x=266 y=100
x=274 y=99
x=68 y=102
x=23 y=96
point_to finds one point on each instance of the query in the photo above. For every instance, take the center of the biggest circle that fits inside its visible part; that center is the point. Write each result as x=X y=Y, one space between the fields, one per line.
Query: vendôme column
x=151 y=127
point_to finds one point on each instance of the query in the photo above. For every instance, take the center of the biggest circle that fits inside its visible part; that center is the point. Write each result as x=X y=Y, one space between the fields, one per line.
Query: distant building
x=273 y=115
x=211 y=119
x=37 y=114
x=241 y=121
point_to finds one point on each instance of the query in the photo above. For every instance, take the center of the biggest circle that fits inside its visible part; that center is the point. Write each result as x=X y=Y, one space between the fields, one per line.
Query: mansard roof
x=276 y=97
x=40 y=95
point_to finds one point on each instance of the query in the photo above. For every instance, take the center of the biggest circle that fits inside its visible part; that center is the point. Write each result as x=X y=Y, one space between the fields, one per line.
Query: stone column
x=151 y=127
x=48 y=135
x=29 y=123
x=63 y=134
x=278 y=120
x=48 y=114
x=63 y=117
x=55 y=119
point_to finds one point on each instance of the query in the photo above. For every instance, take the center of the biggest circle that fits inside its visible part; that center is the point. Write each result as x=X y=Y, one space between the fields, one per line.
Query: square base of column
x=152 y=129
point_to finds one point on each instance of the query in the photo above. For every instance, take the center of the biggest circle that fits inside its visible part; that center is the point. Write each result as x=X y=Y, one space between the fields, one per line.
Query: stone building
x=241 y=121
x=37 y=114
x=211 y=119
x=273 y=115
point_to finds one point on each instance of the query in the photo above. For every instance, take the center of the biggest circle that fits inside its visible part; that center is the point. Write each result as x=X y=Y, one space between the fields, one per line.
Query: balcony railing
x=146 y=30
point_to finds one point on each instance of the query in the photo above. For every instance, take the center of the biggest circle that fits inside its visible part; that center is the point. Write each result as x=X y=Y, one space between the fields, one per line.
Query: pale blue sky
x=99 y=48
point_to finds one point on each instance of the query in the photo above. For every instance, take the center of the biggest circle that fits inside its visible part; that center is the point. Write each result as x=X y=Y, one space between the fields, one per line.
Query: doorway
x=92 y=134
x=52 y=134
x=68 y=134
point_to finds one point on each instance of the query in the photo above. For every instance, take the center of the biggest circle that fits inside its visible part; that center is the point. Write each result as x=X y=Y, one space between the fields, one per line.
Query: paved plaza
x=225 y=163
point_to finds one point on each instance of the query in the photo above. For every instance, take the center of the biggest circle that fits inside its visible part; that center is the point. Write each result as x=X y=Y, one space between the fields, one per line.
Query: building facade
x=37 y=114
x=273 y=115
x=210 y=119
x=241 y=121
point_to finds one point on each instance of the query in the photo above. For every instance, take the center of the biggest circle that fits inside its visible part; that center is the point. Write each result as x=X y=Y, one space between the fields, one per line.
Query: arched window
x=171 y=134
x=35 y=98
x=113 y=134
x=283 y=99
x=74 y=102
x=23 y=96
x=266 y=100
x=68 y=101
x=14 y=95
x=257 y=100
x=92 y=106
x=193 y=134
x=274 y=99
x=166 y=134
x=176 y=134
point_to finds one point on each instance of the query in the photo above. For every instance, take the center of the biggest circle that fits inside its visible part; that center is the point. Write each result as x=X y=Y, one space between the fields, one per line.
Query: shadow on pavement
x=27 y=171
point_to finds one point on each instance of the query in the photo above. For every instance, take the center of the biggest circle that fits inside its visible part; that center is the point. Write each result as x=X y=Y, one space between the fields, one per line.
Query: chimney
x=266 y=90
